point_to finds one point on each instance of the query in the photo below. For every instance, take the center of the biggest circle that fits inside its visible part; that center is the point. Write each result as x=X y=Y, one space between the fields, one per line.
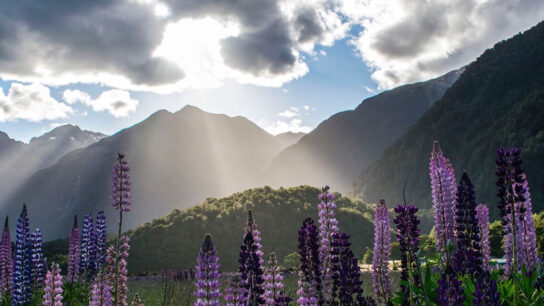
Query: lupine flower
x=74 y=251
x=101 y=292
x=468 y=255
x=53 y=287
x=88 y=248
x=207 y=275
x=6 y=261
x=485 y=292
x=443 y=193
x=482 y=215
x=273 y=282
x=38 y=259
x=450 y=289
x=251 y=262
x=346 y=272
x=235 y=293
x=514 y=203
x=100 y=240
x=408 y=238
x=328 y=225
x=382 y=252
x=309 y=275
x=22 y=278
x=116 y=268
x=120 y=193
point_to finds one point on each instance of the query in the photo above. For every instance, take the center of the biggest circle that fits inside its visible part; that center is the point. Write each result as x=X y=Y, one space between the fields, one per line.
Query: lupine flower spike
x=251 y=263
x=309 y=270
x=274 y=294
x=468 y=255
x=6 y=261
x=74 y=251
x=118 y=279
x=382 y=253
x=38 y=259
x=443 y=194
x=22 y=272
x=101 y=291
x=53 y=287
x=207 y=275
x=482 y=215
x=328 y=225
x=88 y=248
x=235 y=293
x=450 y=288
x=100 y=240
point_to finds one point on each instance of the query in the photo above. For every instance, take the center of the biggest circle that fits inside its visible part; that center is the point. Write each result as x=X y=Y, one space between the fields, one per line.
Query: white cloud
x=407 y=41
x=117 y=102
x=31 y=102
x=295 y=125
x=287 y=114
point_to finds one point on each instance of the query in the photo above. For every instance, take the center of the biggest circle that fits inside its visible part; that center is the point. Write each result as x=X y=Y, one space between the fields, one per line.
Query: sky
x=105 y=65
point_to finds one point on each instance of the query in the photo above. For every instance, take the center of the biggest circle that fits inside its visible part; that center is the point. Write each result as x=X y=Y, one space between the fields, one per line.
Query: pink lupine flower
x=53 y=287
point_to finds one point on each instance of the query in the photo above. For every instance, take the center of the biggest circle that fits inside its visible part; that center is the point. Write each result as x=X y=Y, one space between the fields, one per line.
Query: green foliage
x=172 y=242
x=291 y=262
x=367 y=256
x=495 y=239
x=75 y=294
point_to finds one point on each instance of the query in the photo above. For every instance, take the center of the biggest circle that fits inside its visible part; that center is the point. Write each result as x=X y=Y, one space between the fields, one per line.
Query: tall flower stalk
x=88 y=248
x=22 y=272
x=309 y=282
x=328 y=226
x=235 y=293
x=251 y=263
x=382 y=253
x=101 y=291
x=101 y=240
x=121 y=200
x=527 y=227
x=408 y=238
x=482 y=215
x=450 y=288
x=53 y=287
x=38 y=259
x=74 y=251
x=207 y=275
x=468 y=255
x=443 y=190
x=273 y=293
x=118 y=279
x=6 y=261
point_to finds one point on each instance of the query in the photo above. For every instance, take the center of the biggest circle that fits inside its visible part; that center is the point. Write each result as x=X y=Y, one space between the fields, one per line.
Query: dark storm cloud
x=307 y=23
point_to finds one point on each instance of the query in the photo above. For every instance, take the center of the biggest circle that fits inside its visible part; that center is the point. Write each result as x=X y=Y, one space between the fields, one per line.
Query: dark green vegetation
x=173 y=242
x=498 y=100
x=338 y=149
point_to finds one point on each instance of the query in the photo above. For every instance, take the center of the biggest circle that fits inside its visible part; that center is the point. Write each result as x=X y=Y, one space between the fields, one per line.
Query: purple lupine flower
x=39 y=264
x=101 y=240
x=309 y=275
x=120 y=193
x=468 y=255
x=116 y=269
x=514 y=201
x=408 y=238
x=251 y=262
x=22 y=278
x=235 y=293
x=450 y=288
x=6 y=261
x=274 y=293
x=101 y=292
x=328 y=225
x=207 y=275
x=88 y=248
x=485 y=291
x=74 y=251
x=382 y=252
x=443 y=193
x=346 y=273
x=53 y=287
x=482 y=215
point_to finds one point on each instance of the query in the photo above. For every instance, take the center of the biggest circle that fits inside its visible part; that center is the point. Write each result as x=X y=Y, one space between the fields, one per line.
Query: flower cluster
x=207 y=275
x=382 y=253
x=328 y=226
x=482 y=215
x=116 y=268
x=273 y=278
x=22 y=272
x=450 y=288
x=443 y=189
x=121 y=184
x=309 y=275
x=485 y=291
x=38 y=259
x=6 y=261
x=100 y=240
x=53 y=287
x=88 y=248
x=101 y=291
x=74 y=251
x=251 y=262
x=235 y=293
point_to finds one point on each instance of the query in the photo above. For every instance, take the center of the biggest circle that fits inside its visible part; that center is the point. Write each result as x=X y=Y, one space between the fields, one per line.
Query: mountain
x=172 y=242
x=288 y=138
x=176 y=159
x=497 y=101
x=18 y=160
x=340 y=147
